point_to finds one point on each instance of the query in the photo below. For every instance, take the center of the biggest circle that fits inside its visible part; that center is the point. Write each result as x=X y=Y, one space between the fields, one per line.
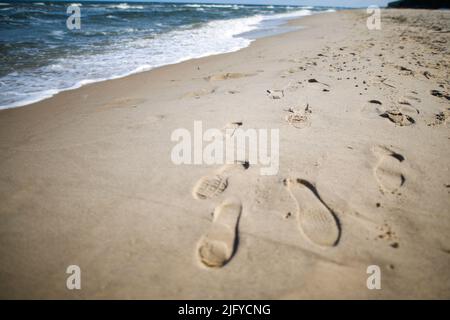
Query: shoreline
x=86 y=176
x=86 y=82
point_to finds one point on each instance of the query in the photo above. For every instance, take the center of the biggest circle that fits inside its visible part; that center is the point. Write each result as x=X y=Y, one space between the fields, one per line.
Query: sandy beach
x=86 y=177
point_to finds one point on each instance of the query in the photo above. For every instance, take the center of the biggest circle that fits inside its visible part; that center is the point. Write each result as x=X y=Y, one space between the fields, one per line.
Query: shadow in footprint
x=218 y=245
x=316 y=219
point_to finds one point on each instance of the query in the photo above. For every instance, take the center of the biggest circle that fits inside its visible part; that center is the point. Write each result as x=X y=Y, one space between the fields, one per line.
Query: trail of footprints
x=218 y=245
x=317 y=221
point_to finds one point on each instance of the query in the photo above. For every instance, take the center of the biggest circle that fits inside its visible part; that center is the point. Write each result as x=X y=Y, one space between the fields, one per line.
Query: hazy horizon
x=331 y=3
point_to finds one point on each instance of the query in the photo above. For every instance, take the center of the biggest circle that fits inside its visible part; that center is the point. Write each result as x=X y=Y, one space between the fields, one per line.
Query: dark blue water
x=41 y=56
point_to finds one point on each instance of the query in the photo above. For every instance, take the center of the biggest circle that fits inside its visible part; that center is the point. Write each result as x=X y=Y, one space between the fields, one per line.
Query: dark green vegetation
x=420 y=4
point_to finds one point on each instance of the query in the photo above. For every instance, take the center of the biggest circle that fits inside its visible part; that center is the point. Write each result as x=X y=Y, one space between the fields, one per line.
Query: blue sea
x=41 y=56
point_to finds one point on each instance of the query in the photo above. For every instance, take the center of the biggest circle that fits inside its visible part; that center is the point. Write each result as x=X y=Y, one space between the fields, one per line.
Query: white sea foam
x=212 y=5
x=291 y=15
x=125 y=6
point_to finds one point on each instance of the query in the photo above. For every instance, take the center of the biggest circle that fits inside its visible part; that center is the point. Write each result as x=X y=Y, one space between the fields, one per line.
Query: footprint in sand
x=121 y=103
x=440 y=118
x=218 y=245
x=200 y=93
x=213 y=185
x=299 y=119
x=407 y=105
x=228 y=76
x=315 y=218
x=275 y=94
x=388 y=170
x=399 y=117
x=373 y=108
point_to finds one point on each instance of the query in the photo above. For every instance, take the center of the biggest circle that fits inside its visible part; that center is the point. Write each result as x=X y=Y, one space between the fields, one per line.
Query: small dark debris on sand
x=440 y=94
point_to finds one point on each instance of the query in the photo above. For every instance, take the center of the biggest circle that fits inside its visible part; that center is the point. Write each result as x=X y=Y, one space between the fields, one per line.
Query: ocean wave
x=210 y=5
x=214 y=37
x=125 y=6
x=291 y=15
x=58 y=33
x=119 y=40
x=222 y=6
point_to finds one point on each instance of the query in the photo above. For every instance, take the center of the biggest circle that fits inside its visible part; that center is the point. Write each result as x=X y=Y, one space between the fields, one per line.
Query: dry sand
x=86 y=177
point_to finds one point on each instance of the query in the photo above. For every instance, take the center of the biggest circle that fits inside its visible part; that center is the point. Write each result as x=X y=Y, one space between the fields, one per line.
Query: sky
x=332 y=3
